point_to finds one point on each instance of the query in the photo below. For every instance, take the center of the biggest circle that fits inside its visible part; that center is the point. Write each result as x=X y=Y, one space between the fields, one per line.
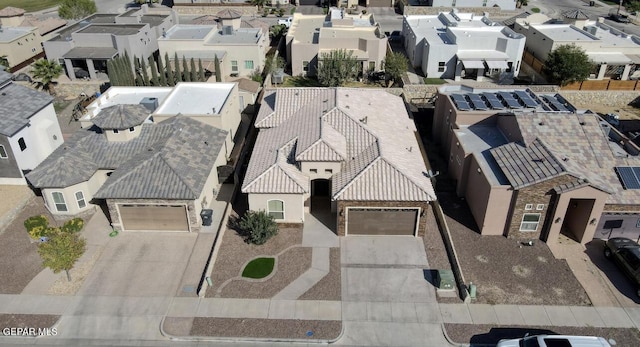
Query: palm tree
x=259 y=3
x=46 y=71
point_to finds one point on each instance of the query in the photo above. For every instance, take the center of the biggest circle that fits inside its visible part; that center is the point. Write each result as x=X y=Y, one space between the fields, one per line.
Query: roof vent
x=565 y=159
x=539 y=160
x=364 y=120
x=582 y=122
x=541 y=123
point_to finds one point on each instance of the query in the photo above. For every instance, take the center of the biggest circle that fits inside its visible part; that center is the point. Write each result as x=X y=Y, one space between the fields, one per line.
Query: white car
x=555 y=341
x=286 y=21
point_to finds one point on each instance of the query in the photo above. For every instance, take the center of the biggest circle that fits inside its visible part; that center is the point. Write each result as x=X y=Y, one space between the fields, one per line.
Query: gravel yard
x=266 y=328
x=235 y=253
x=505 y=272
x=37 y=321
x=482 y=334
x=329 y=287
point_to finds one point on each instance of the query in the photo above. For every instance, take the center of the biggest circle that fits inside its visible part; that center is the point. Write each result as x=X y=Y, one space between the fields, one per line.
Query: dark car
x=395 y=36
x=619 y=18
x=21 y=77
x=626 y=254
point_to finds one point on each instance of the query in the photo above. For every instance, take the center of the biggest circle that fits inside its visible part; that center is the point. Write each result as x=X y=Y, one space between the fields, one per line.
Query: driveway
x=141 y=265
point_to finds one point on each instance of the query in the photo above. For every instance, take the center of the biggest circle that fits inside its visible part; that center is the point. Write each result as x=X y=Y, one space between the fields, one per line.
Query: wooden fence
x=603 y=85
x=532 y=61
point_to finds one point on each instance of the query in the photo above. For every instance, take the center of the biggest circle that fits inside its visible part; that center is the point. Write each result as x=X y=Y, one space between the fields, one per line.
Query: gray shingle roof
x=368 y=131
x=121 y=116
x=18 y=104
x=168 y=160
x=4 y=77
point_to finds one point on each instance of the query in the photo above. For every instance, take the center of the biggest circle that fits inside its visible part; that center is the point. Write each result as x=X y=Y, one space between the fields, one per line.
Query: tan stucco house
x=310 y=36
x=151 y=155
x=349 y=154
x=532 y=166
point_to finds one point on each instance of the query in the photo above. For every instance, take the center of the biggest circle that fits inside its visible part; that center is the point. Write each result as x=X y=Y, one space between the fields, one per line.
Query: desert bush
x=73 y=225
x=37 y=226
x=258 y=227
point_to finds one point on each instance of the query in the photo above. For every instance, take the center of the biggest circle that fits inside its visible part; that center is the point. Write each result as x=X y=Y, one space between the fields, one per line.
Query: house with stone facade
x=154 y=156
x=29 y=130
x=615 y=54
x=532 y=166
x=348 y=155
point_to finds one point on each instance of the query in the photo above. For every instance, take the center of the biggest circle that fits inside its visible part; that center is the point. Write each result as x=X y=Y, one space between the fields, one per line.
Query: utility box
x=445 y=280
x=207 y=216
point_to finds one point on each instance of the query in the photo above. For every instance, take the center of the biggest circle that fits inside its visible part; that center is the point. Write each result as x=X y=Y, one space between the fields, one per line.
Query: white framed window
x=3 y=153
x=276 y=209
x=248 y=64
x=115 y=131
x=329 y=171
x=22 y=144
x=132 y=129
x=441 y=66
x=528 y=207
x=58 y=200
x=80 y=200
x=234 y=66
x=313 y=170
x=530 y=222
x=540 y=207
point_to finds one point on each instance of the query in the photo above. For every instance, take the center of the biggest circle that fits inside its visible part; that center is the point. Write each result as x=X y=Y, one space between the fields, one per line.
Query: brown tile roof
x=248 y=85
x=10 y=11
x=44 y=25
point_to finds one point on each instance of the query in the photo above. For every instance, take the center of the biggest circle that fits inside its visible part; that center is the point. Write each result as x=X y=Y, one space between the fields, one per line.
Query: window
x=248 y=64
x=276 y=209
x=3 y=152
x=528 y=207
x=58 y=199
x=80 y=199
x=540 y=207
x=530 y=222
x=372 y=65
x=313 y=170
x=115 y=131
x=305 y=66
x=22 y=144
x=441 y=66
x=234 y=66
x=329 y=171
x=132 y=129
x=484 y=3
x=631 y=257
x=510 y=66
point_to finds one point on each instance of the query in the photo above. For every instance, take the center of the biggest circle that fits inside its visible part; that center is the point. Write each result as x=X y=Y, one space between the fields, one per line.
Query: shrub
x=73 y=225
x=280 y=12
x=265 y=12
x=37 y=226
x=258 y=226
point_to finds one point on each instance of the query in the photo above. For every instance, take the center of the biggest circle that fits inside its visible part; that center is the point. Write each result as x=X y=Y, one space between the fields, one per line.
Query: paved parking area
x=140 y=264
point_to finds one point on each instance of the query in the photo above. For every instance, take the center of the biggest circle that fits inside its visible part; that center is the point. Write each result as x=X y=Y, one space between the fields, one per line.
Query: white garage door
x=366 y=221
x=154 y=217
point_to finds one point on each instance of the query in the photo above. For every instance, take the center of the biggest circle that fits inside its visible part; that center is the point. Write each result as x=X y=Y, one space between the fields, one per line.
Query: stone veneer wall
x=621 y=208
x=194 y=220
x=70 y=90
x=214 y=9
x=540 y=193
x=584 y=98
x=342 y=205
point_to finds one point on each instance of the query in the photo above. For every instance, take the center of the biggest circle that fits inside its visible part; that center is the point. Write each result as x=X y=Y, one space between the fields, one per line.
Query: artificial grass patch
x=258 y=268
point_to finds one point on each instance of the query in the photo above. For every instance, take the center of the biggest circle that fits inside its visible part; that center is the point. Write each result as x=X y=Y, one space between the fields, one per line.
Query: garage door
x=381 y=221
x=151 y=217
x=379 y=3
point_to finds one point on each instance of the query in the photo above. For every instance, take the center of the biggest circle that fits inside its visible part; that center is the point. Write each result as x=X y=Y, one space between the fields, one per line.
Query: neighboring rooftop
x=196 y=98
x=12 y=33
x=125 y=96
x=480 y=140
x=10 y=11
x=98 y=18
x=121 y=116
x=336 y=24
x=114 y=29
x=18 y=104
x=564 y=32
x=238 y=36
x=188 y=32
x=45 y=25
x=229 y=14
x=168 y=160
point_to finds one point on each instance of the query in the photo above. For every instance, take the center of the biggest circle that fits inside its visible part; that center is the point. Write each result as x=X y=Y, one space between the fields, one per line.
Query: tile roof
x=248 y=85
x=45 y=25
x=368 y=131
x=229 y=14
x=121 y=116
x=11 y=11
x=168 y=160
x=18 y=104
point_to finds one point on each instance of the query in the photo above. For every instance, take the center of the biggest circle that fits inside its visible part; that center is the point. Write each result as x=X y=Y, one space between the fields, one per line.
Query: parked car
x=555 y=340
x=619 y=18
x=22 y=77
x=626 y=254
x=285 y=21
x=395 y=36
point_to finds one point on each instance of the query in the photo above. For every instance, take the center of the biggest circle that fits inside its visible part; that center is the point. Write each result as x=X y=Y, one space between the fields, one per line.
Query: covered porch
x=480 y=65
x=88 y=62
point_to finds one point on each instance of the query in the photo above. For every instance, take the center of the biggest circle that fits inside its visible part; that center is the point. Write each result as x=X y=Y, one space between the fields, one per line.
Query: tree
x=145 y=74
x=177 y=73
x=46 y=71
x=194 y=72
x=185 y=70
x=163 y=73
x=76 y=9
x=137 y=68
x=171 y=80
x=154 y=72
x=277 y=30
x=336 y=67
x=258 y=226
x=395 y=67
x=567 y=64
x=61 y=251
x=259 y=3
x=201 y=75
x=632 y=6
x=216 y=62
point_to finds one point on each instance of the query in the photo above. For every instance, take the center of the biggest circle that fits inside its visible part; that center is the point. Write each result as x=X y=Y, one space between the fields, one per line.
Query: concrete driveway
x=141 y=265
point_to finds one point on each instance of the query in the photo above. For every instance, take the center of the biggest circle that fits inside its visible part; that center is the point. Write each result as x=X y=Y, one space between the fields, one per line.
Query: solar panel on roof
x=513 y=103
x=505 y=95
x=526 y=99
x=463 y=106
x=493 y=100
x=477 y=102
x=628 y=178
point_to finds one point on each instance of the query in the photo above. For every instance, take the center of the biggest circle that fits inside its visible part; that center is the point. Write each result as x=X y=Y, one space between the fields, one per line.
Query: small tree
x=46 y=71
x=395 y=67
x=171 y=79
x=163 y=74
x=62 y=251
x=185 y=70
x=216 y=63
x=37 y=226
x=136 y=65
x=201 y=75
x=154 y=72
x=336 y=68
x=76 y=9
x=111 y=72
x=258 y=226
x=567 y=64
x=259 y=3
x=277 y=31
x=177 y=73
x=194 y=72
x=256 y=76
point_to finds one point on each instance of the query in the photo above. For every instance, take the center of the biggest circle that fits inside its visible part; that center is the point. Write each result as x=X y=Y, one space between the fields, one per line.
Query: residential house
x=531 y=166
x=461 y=45
x=616 y=54
x=509 y=5
x=350 y=156
x=241 y=51
x=21 y=36
x=89 y=44
x=152 y=155
x=311 y=36
x=29 y=129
